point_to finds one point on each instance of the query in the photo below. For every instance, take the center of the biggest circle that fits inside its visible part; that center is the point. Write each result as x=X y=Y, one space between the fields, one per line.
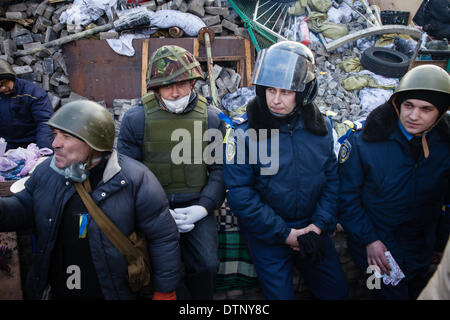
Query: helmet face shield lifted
x=286 y=65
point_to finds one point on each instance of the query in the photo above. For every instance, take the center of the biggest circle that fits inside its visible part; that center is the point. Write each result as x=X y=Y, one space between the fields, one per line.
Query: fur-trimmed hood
x=259 y=117
x=381 y=122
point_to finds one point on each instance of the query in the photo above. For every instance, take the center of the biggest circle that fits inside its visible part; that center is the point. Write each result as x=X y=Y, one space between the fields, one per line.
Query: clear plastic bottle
x=304 y=31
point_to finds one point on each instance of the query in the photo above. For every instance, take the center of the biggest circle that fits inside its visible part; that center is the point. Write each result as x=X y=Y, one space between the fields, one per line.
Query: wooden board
x=405 y=5
x=10 y=285
x=98 y=73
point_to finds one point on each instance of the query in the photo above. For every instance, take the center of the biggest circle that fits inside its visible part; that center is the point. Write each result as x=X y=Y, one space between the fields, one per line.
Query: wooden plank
x=10 y=285
x=10 y=282
x=144 y=67
x=248 y=64
x=98 y=73
x=410 y=5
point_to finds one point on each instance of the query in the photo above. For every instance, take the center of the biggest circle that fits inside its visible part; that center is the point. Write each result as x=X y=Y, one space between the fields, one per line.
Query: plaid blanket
x=236 y=270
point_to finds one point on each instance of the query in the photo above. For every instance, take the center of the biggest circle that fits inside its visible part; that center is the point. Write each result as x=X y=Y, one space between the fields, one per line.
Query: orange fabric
x=165 y=295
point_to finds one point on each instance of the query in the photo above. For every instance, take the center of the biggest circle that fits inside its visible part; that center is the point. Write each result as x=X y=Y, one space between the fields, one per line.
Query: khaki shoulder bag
x=134 y=248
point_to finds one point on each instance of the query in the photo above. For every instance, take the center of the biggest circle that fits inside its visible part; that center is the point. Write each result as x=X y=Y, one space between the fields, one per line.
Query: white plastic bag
x=164 y=19
x=124 y=45
x=373 y=97
x=83 y=12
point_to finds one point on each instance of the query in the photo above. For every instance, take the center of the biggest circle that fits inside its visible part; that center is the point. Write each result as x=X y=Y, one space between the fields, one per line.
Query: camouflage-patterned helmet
x=170 y=64
x=88 y=121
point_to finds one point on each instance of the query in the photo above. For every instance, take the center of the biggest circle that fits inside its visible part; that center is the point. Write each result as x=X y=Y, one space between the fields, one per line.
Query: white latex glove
x=180 y=220
x=192 y=214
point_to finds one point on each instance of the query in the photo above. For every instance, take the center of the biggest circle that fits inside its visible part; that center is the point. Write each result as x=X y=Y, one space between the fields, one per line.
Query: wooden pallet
x=10 y=283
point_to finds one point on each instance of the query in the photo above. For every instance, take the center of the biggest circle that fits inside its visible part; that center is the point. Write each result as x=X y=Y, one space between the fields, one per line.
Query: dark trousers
x=199 y=251
x=404 y=290
x=273 y=264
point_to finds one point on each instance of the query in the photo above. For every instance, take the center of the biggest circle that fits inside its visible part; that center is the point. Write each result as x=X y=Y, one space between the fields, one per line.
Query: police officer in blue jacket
x=24 y=110
x=281 y=177
x=394 y=177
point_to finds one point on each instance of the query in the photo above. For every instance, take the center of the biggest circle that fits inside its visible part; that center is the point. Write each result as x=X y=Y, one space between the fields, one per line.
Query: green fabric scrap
x=320 y=5
x=351 y=65
x=317 y=22
x=298 y=8
x=360 y=82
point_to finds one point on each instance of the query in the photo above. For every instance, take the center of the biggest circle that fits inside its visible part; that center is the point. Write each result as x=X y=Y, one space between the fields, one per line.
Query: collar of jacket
x=259 y=118
x=112 y=166
x=382 y=121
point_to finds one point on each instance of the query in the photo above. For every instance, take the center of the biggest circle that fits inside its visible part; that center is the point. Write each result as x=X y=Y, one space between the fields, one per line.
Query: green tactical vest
x=157 y=146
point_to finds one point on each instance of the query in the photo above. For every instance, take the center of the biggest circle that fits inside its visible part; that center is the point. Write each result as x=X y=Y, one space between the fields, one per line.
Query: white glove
x=180 y=221
x=192 y=214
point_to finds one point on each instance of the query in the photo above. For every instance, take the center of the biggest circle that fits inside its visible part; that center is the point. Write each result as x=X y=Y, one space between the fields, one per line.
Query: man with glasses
x=24 y=109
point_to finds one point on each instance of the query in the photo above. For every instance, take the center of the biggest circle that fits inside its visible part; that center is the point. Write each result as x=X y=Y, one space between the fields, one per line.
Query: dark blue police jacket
x=386 y=195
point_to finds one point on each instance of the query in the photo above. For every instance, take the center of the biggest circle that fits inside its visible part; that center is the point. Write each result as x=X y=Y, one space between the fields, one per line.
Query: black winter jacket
x=129 y=194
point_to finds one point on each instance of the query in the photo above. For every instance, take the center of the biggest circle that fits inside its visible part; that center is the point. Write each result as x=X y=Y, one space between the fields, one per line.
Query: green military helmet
x=88 y=121
x=6 y=71
x=170 y=64
x=426 y=77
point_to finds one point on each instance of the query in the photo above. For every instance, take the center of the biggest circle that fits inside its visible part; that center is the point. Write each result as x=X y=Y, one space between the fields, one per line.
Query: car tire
x=385 y=62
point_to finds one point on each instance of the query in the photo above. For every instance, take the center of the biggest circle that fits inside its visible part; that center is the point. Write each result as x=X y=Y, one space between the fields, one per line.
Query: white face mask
x=177 y=106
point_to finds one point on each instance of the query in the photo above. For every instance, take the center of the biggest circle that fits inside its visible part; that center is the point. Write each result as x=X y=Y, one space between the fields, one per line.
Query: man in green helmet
x=74 y=258
x=24 y=109
x=193 y=186
x=395 y=176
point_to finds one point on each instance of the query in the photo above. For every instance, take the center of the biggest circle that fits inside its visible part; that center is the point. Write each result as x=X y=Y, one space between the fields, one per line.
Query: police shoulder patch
x=344 y=151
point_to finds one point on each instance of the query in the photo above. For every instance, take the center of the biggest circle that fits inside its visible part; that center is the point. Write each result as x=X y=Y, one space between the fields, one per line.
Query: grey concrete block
x=41 y=8
x=217 y=70
x=63 y=91
x=16 y=15
x=217 y=28
x=211 y=20
x=108 y=35
x=18 y=30
x=54 y=99
x=229 y=25
x=28 y=60
x=23 y=39
x=19 y=7
x=50 y=34
x=48 y=65
x=22 y=70
x=46 y=82
x=9 y=47
x=48 y=12
x=217 y=10
x=58 y=27
x=197 y=7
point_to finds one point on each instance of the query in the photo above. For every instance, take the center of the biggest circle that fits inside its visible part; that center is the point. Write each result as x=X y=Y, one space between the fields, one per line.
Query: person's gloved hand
x=312 y=248
x=192 y=213
x=180 y=220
